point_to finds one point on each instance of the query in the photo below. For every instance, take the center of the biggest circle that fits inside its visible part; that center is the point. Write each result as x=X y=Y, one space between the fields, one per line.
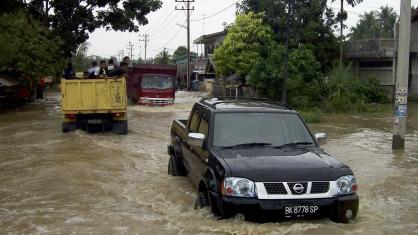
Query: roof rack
x=213 y=101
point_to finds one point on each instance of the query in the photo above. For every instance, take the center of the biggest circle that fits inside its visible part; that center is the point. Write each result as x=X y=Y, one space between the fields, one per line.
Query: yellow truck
x=92 y=103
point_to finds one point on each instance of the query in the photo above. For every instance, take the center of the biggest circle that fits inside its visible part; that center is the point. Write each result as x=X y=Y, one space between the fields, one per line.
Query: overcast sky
x=164 y=32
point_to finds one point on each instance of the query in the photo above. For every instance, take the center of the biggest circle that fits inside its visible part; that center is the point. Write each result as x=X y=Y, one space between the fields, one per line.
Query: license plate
x=300 y=211
x=95 y=121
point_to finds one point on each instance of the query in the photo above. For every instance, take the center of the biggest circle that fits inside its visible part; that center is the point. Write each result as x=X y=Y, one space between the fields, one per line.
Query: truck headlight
x=238 y=187
x=347 y=184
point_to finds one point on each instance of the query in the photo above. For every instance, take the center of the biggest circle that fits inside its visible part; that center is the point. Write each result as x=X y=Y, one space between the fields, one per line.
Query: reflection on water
x=106 y=184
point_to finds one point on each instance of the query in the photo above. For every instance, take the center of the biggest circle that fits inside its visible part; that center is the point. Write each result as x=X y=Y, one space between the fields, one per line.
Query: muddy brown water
x=81 y=183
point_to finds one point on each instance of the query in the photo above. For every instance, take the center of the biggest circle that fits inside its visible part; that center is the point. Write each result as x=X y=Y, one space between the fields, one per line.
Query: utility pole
x=120 y=54
x=402 y=73
x=188 y=8
x=130 y=49
x=164 y=56
x=341 y=32
x=145 y=40
x=286 y=69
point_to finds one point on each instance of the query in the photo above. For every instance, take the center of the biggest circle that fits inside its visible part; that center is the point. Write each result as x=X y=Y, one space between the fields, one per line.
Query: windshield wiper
x=247 y=145
x=293 y=144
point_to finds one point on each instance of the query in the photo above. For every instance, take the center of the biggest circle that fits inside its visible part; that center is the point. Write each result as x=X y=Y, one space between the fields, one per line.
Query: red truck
x=150 y=84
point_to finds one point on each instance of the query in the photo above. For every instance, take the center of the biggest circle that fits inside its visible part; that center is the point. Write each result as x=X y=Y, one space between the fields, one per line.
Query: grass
x=312 y=116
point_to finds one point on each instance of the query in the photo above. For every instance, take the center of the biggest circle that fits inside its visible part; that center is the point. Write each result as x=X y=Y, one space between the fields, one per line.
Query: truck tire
x=69 y=127
x=120 y=127
x=342 y=218
x=173 y=167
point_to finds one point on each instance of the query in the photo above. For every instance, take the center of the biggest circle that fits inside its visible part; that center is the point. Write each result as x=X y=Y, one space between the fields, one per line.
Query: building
x=377 y=58
x=204 y=71
x=210 y=42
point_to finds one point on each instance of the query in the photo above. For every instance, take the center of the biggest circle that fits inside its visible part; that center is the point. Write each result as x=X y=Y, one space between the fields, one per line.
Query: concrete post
x=401 y=93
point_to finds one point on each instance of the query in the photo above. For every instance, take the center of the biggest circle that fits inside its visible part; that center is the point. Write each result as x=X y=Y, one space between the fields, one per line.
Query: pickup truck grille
x=320 y=187
x=280 y=188
x=275 y=188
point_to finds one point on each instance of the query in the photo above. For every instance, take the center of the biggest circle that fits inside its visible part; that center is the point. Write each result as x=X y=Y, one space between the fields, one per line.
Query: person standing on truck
x=121 y=71
x=94 y=70
x=103 y=69
x=110 y=66
x=69 y=72
x=127 y=60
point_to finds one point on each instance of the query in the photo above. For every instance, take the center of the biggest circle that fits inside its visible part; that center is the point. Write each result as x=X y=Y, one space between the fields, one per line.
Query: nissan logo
x=298 y=188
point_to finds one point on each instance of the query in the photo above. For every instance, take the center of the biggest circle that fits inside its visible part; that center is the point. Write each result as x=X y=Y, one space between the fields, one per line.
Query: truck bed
x=93 y=95
x=178 y=128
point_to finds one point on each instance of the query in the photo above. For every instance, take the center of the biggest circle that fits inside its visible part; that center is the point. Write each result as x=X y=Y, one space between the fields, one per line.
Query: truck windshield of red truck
x=157 y=82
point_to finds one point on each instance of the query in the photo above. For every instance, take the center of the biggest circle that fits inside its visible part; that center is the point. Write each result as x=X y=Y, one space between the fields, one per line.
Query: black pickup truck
x=259 y=159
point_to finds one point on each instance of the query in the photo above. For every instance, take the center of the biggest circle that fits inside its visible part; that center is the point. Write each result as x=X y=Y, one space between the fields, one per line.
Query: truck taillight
x=118 y=115
x=71 y=116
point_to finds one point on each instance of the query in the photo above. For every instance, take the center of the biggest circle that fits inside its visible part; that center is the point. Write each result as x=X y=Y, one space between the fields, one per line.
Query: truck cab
x=152 y=84
x=259 y=159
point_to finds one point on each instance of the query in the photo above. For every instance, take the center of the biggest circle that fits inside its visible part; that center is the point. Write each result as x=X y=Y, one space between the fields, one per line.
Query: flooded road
x=80 y=183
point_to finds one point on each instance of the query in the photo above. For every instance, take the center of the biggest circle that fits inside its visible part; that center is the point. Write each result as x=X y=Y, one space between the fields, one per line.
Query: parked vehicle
x=88 y=103
x=259 y=159
x=150 y=84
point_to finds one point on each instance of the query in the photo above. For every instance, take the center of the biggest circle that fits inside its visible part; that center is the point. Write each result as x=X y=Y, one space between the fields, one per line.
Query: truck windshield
x=271 y=129
x=157 y=82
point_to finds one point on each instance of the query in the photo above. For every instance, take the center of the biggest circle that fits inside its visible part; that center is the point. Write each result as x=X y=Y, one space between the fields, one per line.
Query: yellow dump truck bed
x=84 y=96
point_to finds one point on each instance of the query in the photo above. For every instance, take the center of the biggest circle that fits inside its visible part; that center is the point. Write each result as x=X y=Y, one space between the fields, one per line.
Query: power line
x=172 y=38
x=217 y=13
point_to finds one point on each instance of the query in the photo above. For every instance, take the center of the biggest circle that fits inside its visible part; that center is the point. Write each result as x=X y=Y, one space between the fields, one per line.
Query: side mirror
x=195 y=139
x=320 y=137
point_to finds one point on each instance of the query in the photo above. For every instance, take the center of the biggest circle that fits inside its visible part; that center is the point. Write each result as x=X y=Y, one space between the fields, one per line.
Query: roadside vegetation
x=254 y=49
x=37 y=38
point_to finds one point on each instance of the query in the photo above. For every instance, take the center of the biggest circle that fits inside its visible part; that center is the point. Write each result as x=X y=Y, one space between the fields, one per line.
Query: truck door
x=189 y=151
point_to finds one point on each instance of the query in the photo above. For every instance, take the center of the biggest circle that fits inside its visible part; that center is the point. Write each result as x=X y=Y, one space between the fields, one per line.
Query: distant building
x=204 y=71
x=377 y=58
x=210 y=42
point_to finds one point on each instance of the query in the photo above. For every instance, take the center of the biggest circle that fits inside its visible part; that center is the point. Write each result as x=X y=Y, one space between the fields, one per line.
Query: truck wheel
x=69 y=127
x=173 y=167
x=201 y=201
x=345 y=216
x=120 y=127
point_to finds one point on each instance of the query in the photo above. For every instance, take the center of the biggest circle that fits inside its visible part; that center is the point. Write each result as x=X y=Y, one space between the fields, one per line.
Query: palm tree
x=343 y=16
x=82 y=49
x=369 y=26
x=387 y=18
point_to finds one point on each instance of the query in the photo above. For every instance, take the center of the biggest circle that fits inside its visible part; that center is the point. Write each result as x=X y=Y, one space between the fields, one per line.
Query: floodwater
x=81 y=183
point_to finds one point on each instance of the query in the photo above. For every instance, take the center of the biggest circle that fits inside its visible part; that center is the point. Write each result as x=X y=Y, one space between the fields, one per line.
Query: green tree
x=180 y=52
x=375 y=24
x=341 y=17
x=267 y=74
x=73 y=20
x=367 y=27
x=247 y=39
x=311 y=23
x=306 y=82
x=80 y=60
x=163 y=58
x=387 y=17
x=27 y=48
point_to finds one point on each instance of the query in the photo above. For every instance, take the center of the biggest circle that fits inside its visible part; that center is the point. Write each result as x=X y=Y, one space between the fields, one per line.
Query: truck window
x=204 y=125
x=275 y=128
x=157 y=81
x=194 y=122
